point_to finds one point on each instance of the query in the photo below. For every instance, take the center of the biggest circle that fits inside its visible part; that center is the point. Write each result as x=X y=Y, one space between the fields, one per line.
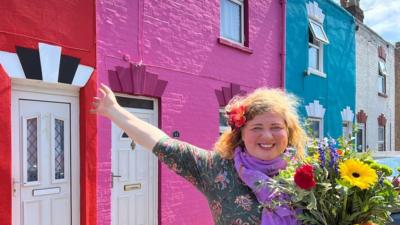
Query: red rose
x=304 y=177
x=236 y=117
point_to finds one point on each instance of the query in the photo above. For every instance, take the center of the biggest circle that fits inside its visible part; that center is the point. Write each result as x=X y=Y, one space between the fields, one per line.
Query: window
x=315 y=112
x=382 y=77
x=318 y=31
x=316 y=40
x=316 y=128
x=313 y=53
x=232 y=20
x=347 y=129
x=223 y=121
x=381 y=138
x=360 y=140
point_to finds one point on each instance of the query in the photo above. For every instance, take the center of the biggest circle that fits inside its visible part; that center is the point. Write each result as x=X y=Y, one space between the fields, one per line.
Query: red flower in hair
x=236 y=117
x=304 y=177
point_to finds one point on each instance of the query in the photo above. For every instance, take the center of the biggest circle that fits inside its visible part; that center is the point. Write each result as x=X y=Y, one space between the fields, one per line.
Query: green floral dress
x=230 y=200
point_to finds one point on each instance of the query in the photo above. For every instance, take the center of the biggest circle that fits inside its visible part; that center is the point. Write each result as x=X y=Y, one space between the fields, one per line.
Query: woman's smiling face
x=265 y=136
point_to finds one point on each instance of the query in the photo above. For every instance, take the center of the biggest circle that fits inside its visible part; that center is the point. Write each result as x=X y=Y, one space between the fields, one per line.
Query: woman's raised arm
x=142 y=132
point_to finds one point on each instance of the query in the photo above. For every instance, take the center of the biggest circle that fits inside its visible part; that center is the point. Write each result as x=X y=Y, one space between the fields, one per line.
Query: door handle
x=112 y=178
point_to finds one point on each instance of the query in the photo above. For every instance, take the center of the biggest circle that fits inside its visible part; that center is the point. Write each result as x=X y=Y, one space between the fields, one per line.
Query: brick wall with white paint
x=367 y=98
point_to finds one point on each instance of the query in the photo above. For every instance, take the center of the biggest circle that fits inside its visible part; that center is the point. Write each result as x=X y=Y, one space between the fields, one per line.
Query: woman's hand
x=139 y=130
x=104 y=104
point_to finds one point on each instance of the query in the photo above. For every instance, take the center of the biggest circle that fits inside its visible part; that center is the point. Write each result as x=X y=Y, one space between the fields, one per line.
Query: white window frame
x=347 y=129
x=319 y=45
x=222 y=128
x=242 y=37
x=380 y=141
x=321 y=126
x=361 y=128
x=323 y=39
x=382 y=67
x=382 y=73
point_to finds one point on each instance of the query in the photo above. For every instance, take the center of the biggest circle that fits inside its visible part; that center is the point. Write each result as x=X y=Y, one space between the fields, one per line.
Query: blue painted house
x=320 y=66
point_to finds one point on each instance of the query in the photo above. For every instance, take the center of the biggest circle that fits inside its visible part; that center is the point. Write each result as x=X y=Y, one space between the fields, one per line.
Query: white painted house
x=375 y=93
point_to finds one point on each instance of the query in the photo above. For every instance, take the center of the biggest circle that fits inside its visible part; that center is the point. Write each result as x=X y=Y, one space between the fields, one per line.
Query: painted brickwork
x=337 y=91
x=367 y=98
x=177 y=40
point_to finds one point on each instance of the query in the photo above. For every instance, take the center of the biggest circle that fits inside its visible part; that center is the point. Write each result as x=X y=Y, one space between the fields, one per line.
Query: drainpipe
x=283 y=53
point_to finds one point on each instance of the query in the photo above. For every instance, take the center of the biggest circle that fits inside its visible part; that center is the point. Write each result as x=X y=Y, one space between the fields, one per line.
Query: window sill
x=235 y=45
x=382 y=94
x=312 y=71
x=385 y=154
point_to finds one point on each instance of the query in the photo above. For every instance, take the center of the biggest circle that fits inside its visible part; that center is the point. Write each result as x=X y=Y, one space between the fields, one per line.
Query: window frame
x=347 y=129
x=382 y=73
x=318 y=44
x=382 y=142
x=222 y=129
x=312 y=22
x=242 y=37
x=321 y=126
x=363 y=128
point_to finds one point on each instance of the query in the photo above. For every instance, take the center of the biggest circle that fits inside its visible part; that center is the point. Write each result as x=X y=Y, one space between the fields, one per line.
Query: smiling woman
x=264 y=123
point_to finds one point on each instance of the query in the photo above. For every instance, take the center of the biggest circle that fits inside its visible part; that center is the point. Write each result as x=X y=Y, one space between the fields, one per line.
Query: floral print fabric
x=230 y=200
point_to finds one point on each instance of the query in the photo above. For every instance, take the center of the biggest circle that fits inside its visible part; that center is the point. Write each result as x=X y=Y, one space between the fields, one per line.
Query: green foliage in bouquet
x=336 y=185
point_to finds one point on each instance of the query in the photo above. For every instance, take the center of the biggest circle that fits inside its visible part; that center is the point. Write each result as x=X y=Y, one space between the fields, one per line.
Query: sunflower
x=358 y=174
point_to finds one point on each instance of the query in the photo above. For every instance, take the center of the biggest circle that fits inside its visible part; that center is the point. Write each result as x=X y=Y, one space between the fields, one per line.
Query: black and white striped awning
x=45 y=63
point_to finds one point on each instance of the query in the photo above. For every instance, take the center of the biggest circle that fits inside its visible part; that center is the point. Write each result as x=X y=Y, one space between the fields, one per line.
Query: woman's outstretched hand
x=142 y=132
x=105 y=103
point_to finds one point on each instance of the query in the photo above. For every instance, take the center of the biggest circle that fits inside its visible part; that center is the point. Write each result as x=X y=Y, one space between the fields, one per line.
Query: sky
x=382 y=16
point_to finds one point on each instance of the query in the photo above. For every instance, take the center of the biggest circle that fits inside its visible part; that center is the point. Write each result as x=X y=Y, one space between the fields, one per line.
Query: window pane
x=360 y=140
x=59 y=149
x=380 y=84
x=315 y=128
x=318 y=32
x=382 y=68
x=347 y=129
x=313 y=53
x=222 y=120
x=32 y=150
x=381 y=135
x=381 y=147
x=231 y=20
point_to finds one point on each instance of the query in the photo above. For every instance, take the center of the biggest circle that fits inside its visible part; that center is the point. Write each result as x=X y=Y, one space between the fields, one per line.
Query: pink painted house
x=176 y=64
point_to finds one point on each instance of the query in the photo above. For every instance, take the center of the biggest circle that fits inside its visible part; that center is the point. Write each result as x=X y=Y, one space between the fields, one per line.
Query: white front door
x=42 y=147
x=134 y=181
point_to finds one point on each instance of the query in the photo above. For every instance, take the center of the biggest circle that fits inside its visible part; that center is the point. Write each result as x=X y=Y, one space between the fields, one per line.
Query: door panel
x=135 y=181
x=45 y=191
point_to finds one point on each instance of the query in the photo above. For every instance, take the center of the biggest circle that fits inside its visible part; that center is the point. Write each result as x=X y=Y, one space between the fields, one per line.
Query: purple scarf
x=250 y=171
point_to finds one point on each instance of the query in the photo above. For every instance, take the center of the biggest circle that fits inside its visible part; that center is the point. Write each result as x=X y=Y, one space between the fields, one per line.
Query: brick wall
x=178 y=41
x=367 y=98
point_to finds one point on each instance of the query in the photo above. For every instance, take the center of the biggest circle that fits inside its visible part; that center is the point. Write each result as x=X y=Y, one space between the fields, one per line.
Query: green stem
x=344 y=205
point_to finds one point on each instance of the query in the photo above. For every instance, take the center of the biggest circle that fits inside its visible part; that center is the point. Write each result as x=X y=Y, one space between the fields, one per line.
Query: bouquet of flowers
x=337 y=186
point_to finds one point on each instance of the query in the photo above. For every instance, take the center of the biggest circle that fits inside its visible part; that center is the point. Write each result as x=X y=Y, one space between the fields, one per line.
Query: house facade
x=47 y=81
x=375 y=91
x=320 y=65
x=176 y=65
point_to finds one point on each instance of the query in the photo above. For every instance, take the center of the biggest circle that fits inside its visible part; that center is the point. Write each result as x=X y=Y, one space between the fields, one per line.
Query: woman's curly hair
x=259 y=101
